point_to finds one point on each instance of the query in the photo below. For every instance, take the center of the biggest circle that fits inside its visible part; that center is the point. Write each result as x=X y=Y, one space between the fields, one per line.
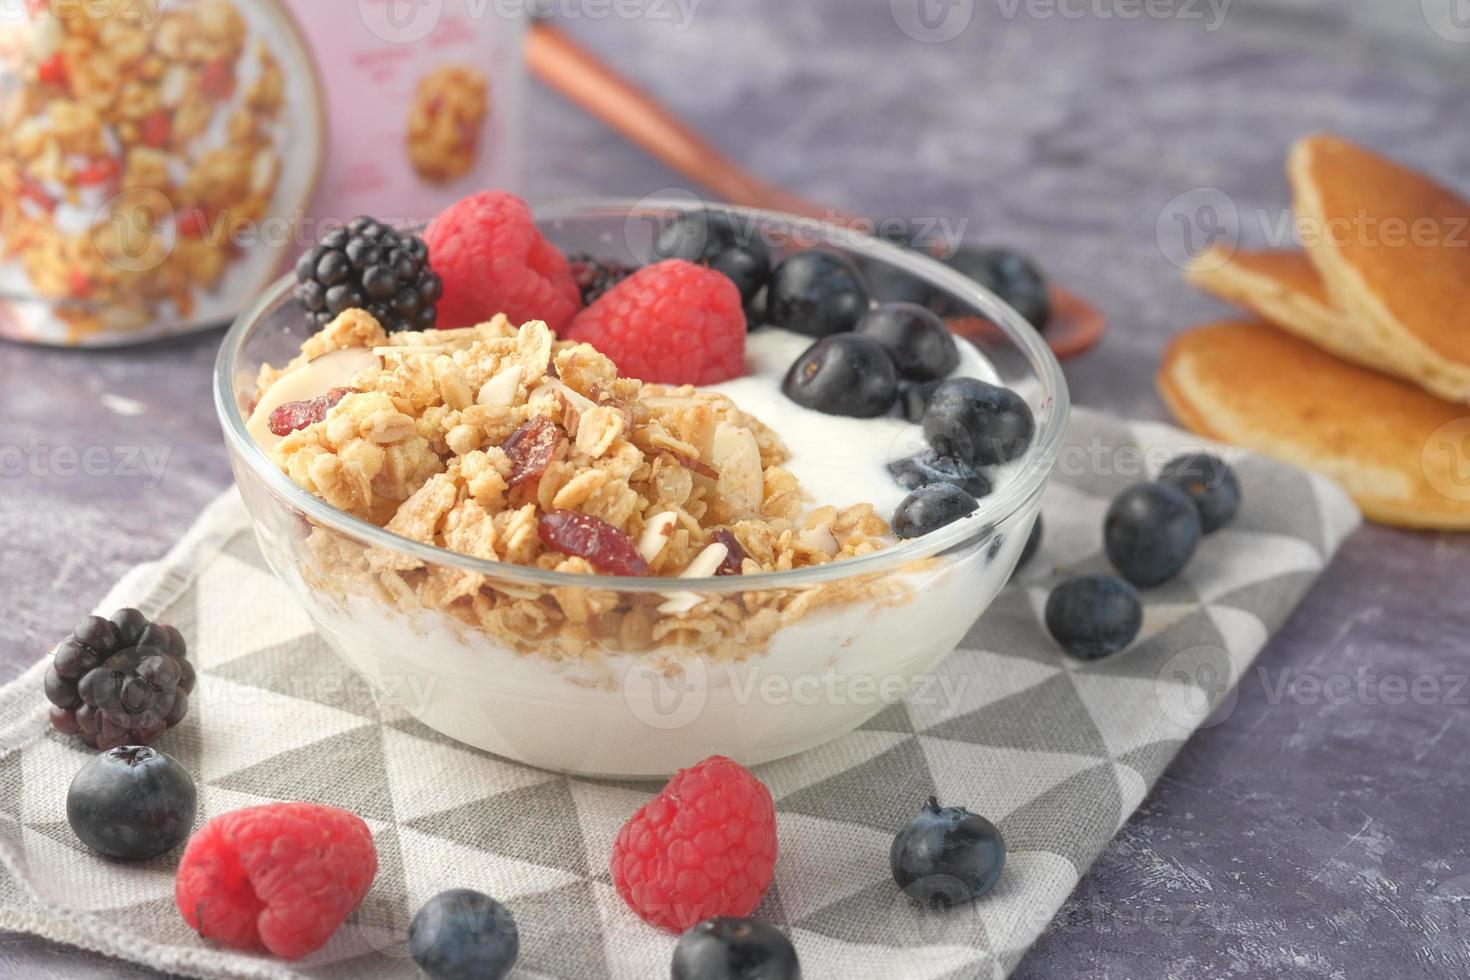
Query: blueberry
x=913 y=399
x=1210 y=483
x=464 y=935
x=978 y=423
x=1033 y=545
x=890 y=284
x=734 y=949
x=947 y=856
x=844 y=375
x=817 y=293
x=930 y=508
x=715 y=239
x=1011 y=276
x=1151 y=532
x=920 y=344
x=913 y=472
x=1094 y=616
x=131 y=803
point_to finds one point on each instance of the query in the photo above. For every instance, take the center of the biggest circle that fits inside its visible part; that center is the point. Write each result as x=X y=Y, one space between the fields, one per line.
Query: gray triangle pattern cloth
x=1058 y=753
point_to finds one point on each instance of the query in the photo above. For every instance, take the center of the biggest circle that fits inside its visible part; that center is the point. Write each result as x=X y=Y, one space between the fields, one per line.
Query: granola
x=114 y=118
x=444 y=122
x=467 y=439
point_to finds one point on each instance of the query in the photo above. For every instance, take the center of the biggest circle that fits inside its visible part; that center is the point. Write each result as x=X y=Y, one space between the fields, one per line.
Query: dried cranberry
x=608 y=549
x=735 y=555
x=291 y=416
x=531 y=448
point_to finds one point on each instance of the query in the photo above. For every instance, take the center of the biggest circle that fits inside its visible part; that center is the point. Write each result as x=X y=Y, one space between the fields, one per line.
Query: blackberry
x=370 y=266
x=596 y=276
x=119 y=681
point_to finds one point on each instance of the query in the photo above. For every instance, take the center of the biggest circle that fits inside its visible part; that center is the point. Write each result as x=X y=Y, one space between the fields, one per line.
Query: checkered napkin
x=1058 y=753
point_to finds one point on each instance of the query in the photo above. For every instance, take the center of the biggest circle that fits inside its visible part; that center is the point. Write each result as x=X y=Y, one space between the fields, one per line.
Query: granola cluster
x=444 y=122
x=468 y=439
x=127 y=114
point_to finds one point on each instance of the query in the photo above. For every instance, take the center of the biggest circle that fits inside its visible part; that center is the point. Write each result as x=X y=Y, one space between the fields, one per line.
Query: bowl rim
x=1028 y=482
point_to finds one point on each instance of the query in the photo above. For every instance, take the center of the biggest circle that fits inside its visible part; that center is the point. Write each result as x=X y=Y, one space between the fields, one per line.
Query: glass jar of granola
x=160 y=162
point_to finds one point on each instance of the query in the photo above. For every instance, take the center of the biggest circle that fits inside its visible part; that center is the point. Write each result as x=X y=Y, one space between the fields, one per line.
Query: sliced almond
x=704 y=565
x=737 y=457
x=174 y=87
x=819 y=538
x=263 y=171
x=500 y=391
x=334 y=369
x=656 y=534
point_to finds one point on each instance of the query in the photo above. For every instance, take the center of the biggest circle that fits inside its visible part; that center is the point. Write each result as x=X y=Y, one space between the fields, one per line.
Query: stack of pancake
x=1356 y=362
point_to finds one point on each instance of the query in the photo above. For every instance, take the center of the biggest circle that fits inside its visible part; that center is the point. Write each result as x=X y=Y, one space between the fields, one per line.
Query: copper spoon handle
x=584 y=79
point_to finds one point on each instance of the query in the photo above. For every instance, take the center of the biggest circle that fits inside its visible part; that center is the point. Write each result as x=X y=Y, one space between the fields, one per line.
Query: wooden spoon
x=584 y=79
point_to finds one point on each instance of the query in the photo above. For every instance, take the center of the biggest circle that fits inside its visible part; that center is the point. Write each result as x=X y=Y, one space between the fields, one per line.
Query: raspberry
x=493 y=259
x=279 y=878
x=705 y=846
x=672 y=323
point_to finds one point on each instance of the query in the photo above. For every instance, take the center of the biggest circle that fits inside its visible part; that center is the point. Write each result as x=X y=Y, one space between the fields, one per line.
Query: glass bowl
x=587 y=674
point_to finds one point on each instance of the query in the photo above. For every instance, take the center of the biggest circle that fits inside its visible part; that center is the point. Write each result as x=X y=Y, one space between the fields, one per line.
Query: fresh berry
x=930 y=508
x=843 y=375
x=704 y=847
x=607 y=549
x=671 y=323
x=1210 y=483
x=888 y=283
x=123 y=681
x=131 y=803
x=920 y=344
x=1033 y=545
x=717 y=239
x=279 y=878
x=913 y=399
x=595 y=276
x=947 y=856
x=735 y=949
x=493 y=259
x=464 y=935
x=1011 y=276
x=928 y=467
x=1094 y=616
x=369 y=266
x=1151 y=532
x=817 y=293
x=979 y=423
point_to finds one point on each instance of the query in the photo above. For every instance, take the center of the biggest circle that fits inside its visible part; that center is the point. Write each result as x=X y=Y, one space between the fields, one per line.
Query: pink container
x=160 y=163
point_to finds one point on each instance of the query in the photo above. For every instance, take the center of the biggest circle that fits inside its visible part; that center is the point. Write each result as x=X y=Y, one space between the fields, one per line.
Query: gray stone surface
x=1312 y=832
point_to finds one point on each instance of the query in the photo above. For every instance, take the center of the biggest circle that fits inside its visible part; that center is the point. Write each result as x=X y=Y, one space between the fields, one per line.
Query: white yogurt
x=839 y=461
